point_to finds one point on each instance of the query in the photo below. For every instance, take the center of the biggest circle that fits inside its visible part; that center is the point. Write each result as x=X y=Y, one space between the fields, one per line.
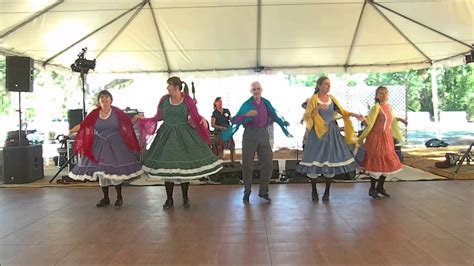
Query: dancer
x=220 y=121
x=256 y=114
x=106 y=142
x=326 y=151
x=180 y=151
x=380 y=156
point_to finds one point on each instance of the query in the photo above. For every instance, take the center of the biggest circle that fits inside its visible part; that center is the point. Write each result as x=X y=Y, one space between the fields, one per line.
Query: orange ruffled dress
x=380 y=157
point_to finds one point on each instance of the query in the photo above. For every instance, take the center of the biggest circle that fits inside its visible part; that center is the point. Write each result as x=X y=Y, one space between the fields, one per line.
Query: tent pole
x=422 y=25
x=259 y=34
x=435 y=99
x=160 y=38
x=92 y=33
x=277 y=68
x=354 y=37
x=30 y=19
x=121 y=30
x=400 y=32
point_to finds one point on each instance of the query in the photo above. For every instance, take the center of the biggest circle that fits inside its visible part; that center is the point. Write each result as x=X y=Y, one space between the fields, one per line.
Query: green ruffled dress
x=178 y=153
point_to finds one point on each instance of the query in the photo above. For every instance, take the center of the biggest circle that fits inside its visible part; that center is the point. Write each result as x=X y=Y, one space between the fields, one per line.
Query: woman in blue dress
x=327 y=151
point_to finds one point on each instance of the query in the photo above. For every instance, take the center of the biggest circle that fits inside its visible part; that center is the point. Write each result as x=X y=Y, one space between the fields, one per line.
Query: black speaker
x=290 y=169
x=22 y=164
x=19 y=73
x=231 y=173
x=74 y=117
x=257 y=167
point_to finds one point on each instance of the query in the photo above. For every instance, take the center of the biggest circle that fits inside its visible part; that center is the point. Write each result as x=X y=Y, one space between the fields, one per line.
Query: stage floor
x=429 y=223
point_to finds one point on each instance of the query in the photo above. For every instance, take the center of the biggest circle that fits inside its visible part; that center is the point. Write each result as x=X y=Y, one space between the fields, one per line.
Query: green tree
x=304 y=80
x=5 y=102
x=115 y=84
x=351 y=83
x=418 y=83
x=456 y=89
x=118 y=84
x=419 y=93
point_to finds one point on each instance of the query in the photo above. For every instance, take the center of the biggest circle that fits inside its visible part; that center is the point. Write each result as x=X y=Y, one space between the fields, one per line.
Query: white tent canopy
x=172 y=36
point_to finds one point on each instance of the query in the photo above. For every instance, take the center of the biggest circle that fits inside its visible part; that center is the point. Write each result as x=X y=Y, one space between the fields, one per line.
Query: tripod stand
x=467 y=156
x=69 y=160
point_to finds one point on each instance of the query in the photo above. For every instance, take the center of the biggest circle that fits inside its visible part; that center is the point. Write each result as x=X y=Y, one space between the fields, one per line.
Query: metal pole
x=354 y=36
x=259 y=35
x=19 y=119
x=83 y=79
x=92 y=33
x=160 y=38
x=30 y=19
x=401 y=33
x=434 y=97
x=421 y=24
x=406 y=109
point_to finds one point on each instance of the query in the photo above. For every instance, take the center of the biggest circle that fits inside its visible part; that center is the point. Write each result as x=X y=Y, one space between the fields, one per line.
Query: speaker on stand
x=19 y=73
x=21 y=163
x=19 y=78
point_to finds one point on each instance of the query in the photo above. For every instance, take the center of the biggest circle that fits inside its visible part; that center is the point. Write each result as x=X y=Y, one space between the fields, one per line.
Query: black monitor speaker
x=74 y=117
x=19 y=73
x=22 y=164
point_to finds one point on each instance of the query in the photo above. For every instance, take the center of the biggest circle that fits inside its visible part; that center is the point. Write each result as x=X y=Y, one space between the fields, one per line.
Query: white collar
x=107 y=116
x=171 y=102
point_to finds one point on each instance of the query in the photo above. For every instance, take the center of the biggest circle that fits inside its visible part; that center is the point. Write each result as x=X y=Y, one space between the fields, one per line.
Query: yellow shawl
x=372 y=117
x=314 y=120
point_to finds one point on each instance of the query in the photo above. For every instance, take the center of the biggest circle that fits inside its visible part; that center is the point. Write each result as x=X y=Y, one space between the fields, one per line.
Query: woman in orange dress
x=380 y=156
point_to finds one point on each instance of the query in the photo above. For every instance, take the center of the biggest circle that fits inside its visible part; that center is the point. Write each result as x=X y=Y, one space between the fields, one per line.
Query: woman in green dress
x=180 y=151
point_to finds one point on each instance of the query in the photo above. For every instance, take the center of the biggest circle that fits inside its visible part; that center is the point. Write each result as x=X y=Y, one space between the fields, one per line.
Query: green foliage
x=304 y=80
x=58 y=78
x=418 y=83
x=5 y=101
x=352 y=83
x=30 y=113
x=2 y=73
x=455 y=87
x=386 y=79
x=116 y=84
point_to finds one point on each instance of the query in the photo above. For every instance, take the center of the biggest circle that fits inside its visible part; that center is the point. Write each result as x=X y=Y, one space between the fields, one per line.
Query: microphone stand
x=83 y=74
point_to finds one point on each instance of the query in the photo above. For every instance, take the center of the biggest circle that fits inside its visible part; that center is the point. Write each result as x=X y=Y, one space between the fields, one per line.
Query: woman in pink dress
x=380 y=156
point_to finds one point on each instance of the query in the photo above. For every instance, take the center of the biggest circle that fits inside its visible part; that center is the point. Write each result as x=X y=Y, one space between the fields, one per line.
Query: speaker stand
x=61 y=168
x=83 y=79
x=19 y=119
x=83 y=74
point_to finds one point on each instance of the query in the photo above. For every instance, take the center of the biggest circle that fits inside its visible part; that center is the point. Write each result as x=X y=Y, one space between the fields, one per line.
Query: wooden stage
x=423 y=223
